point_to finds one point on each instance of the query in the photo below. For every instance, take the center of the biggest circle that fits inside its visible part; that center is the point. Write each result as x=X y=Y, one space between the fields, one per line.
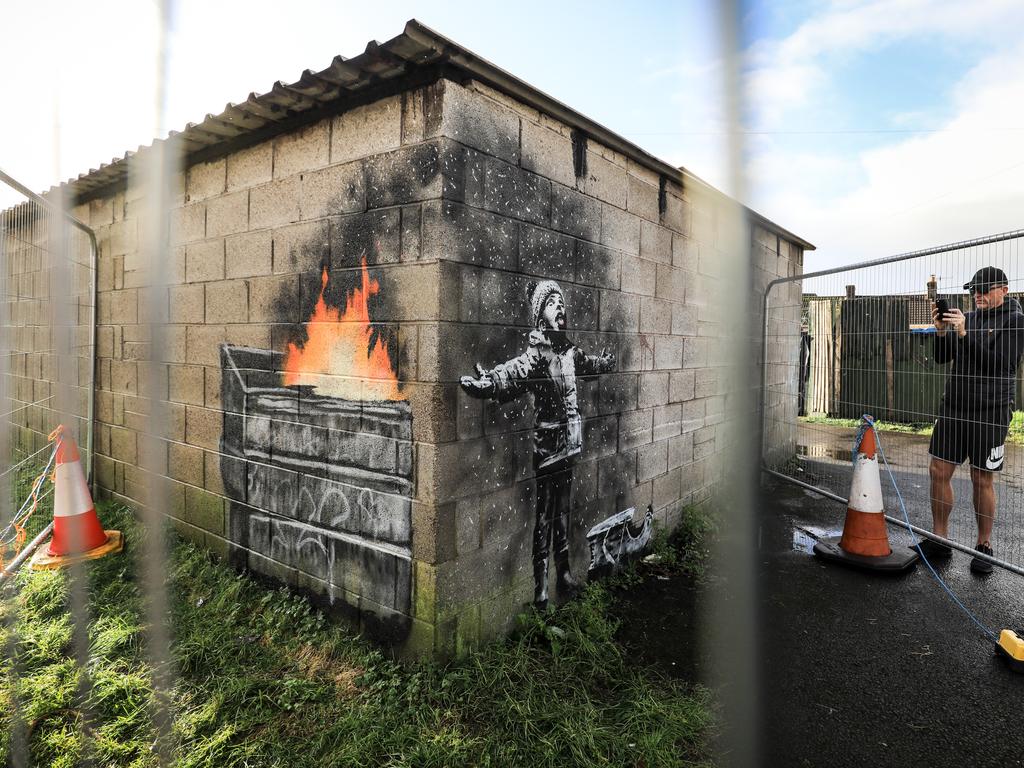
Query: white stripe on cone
x=72 y=495
x=866 y=490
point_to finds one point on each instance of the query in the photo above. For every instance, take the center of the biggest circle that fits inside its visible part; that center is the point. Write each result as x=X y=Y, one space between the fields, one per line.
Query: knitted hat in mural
x=539 y=293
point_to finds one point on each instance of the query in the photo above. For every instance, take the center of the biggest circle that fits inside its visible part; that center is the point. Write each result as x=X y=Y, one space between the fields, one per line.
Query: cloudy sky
x=871 y=128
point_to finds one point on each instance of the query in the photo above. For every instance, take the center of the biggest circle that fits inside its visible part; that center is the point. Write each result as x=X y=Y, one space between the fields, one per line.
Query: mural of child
x=547 y=370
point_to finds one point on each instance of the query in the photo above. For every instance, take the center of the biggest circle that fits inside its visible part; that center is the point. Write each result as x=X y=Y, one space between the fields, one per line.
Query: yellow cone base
x=895 y=562
x=1011 y=648
x=44 y=562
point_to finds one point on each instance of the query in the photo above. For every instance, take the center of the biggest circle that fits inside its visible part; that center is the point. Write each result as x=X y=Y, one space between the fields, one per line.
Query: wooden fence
x=875 y=354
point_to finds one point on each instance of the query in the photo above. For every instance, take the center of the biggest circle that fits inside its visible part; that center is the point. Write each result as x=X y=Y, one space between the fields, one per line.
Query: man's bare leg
x=940 y=474
x=984 y=498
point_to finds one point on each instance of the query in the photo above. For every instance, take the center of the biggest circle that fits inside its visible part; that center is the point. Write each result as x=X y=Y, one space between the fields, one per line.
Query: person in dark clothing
x=547 y=370
x=984 y=347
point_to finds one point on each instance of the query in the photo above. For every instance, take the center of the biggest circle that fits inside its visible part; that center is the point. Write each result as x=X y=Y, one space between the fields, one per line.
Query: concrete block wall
x=418 y=523
x=775 y=257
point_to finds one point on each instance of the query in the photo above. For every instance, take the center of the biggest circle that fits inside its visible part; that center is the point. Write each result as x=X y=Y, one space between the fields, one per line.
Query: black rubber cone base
x=897 y=561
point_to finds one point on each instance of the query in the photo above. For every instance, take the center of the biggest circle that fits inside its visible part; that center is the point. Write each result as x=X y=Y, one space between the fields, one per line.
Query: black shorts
x=978 y=436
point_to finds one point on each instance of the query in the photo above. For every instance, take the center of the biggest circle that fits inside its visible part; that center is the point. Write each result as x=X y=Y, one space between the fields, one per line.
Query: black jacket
x=985 y=360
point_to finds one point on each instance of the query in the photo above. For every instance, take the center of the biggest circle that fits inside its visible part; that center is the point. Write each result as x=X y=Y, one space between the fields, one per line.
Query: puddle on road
x=825 y=452
x=804 y=538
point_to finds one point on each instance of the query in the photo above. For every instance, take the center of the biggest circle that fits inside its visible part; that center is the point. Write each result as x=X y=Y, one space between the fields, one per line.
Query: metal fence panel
x=866 y=345
x=47 y=337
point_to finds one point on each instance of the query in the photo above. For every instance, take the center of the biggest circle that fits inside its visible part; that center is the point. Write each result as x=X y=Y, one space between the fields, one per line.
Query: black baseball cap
x=986 y=278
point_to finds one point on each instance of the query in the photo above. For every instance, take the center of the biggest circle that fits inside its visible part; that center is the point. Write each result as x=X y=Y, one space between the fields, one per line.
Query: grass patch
x=1015 y=435
x=916 y=428
x=263 y=679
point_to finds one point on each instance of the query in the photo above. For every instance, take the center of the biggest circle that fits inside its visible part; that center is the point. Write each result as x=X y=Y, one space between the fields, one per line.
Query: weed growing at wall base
x=263 y=679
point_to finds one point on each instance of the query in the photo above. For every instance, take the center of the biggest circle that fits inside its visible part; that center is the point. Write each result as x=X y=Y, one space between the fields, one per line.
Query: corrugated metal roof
x=398 y=64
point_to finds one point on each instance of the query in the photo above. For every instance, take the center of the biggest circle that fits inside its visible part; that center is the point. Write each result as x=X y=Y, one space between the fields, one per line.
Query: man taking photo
x=974 y=416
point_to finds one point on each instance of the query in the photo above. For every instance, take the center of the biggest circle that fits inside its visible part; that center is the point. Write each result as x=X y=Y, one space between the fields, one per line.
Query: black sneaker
x=982 y=566
x=934 y=550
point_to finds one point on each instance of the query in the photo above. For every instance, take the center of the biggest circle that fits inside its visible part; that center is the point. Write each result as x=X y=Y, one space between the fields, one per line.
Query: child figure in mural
x=548 y=370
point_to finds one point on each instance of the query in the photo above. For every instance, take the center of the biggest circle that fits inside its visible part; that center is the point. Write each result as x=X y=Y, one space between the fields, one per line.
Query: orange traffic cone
x=77 y=533
x=865 y=539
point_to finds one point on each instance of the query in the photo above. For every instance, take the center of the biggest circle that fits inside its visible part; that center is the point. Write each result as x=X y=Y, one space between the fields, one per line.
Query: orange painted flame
x=338 y=358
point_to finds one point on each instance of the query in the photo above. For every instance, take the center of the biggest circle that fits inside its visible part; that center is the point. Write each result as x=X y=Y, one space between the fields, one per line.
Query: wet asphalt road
x=868 y=670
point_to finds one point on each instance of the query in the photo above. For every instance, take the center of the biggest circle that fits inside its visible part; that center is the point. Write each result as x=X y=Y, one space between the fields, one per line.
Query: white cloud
x=784 y=74
x=957 y=183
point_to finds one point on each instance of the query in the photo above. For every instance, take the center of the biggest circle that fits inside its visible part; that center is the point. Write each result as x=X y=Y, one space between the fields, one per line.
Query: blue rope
x=990 y=634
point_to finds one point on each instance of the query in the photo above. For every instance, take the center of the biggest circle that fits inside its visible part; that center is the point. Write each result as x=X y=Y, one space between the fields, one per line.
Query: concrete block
x=367 y=130
x=305 y=149
x=668 y=352
x=667 y=421
x=124 y=376
x=227 y=301
x=574 y=213
x=706 y=382
x=412 y=174
x=639 y=276
x=680 y=450
x=654 y=389
x=204 y=510
x=620 y=230
x=204 y=261
x=655 y=242
x=205 y=180
x=617 y=393
x=228 y=214
x=248 y=254
x=185 y=463
x=651 y=461
x=123 y=446
x=275 y=204
x=546 y=254
x=677 y=215
x=452 y=231
x=655 y=316
x=374 y=235
x=124 y=307
x=582 y=309
x=695 y=353
x=250 y=166
x=503 y=299
x=597 y=265
x=548 y=153
x=188 y=224
x=124 y=237
x=682 y=385
x=203 y=427
x=667 y=488
x=473 y=119
x=605 y=180
x=619 y=312
x=635 y=429
x=685 y=253
x=411 y=226
x=304 y=248
x=642 y=198
x=268 y=300
x=692 y=415
x=335 y=190
x=187 y=303
x=684 y=320
x=202 y=344
x=671 y=283
x=513 y=192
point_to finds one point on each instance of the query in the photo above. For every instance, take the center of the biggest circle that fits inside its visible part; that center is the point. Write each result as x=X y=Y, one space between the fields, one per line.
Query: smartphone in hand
x=943 y=306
